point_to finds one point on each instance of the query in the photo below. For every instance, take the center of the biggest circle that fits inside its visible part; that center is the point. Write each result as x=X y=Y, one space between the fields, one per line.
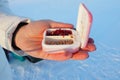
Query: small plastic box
x=69 y=40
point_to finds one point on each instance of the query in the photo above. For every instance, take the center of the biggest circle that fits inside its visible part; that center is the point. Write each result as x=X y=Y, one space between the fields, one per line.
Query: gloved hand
x=29 y=38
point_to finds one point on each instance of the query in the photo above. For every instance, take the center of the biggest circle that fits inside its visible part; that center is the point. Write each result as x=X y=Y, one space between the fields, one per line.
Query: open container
x=65 y=39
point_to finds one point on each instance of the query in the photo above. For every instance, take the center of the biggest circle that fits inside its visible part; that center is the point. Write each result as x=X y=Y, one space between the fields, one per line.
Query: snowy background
x=103 y=64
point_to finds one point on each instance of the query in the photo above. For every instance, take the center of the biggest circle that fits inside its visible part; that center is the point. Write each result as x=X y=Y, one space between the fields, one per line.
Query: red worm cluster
x=58 y=32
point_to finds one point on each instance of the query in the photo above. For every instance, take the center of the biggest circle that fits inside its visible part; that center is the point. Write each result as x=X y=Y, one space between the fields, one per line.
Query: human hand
x=29 y=39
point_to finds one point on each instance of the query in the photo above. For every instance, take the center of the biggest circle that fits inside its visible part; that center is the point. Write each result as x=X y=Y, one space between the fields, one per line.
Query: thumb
x=54 y=24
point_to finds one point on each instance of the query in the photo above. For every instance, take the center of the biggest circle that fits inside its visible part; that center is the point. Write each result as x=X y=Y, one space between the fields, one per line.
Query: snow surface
x=103 y=64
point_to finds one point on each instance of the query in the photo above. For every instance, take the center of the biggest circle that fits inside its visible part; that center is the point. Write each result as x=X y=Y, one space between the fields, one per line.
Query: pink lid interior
x=83 y=24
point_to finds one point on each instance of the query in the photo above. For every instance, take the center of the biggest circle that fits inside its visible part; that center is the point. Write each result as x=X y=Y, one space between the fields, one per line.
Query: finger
x=90 y=40
x=90 y=47
x=60 y=25
x=59 y=56
x=81 y=55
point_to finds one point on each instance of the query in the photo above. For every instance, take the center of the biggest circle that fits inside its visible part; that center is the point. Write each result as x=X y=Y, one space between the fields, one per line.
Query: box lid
x=83 y=26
